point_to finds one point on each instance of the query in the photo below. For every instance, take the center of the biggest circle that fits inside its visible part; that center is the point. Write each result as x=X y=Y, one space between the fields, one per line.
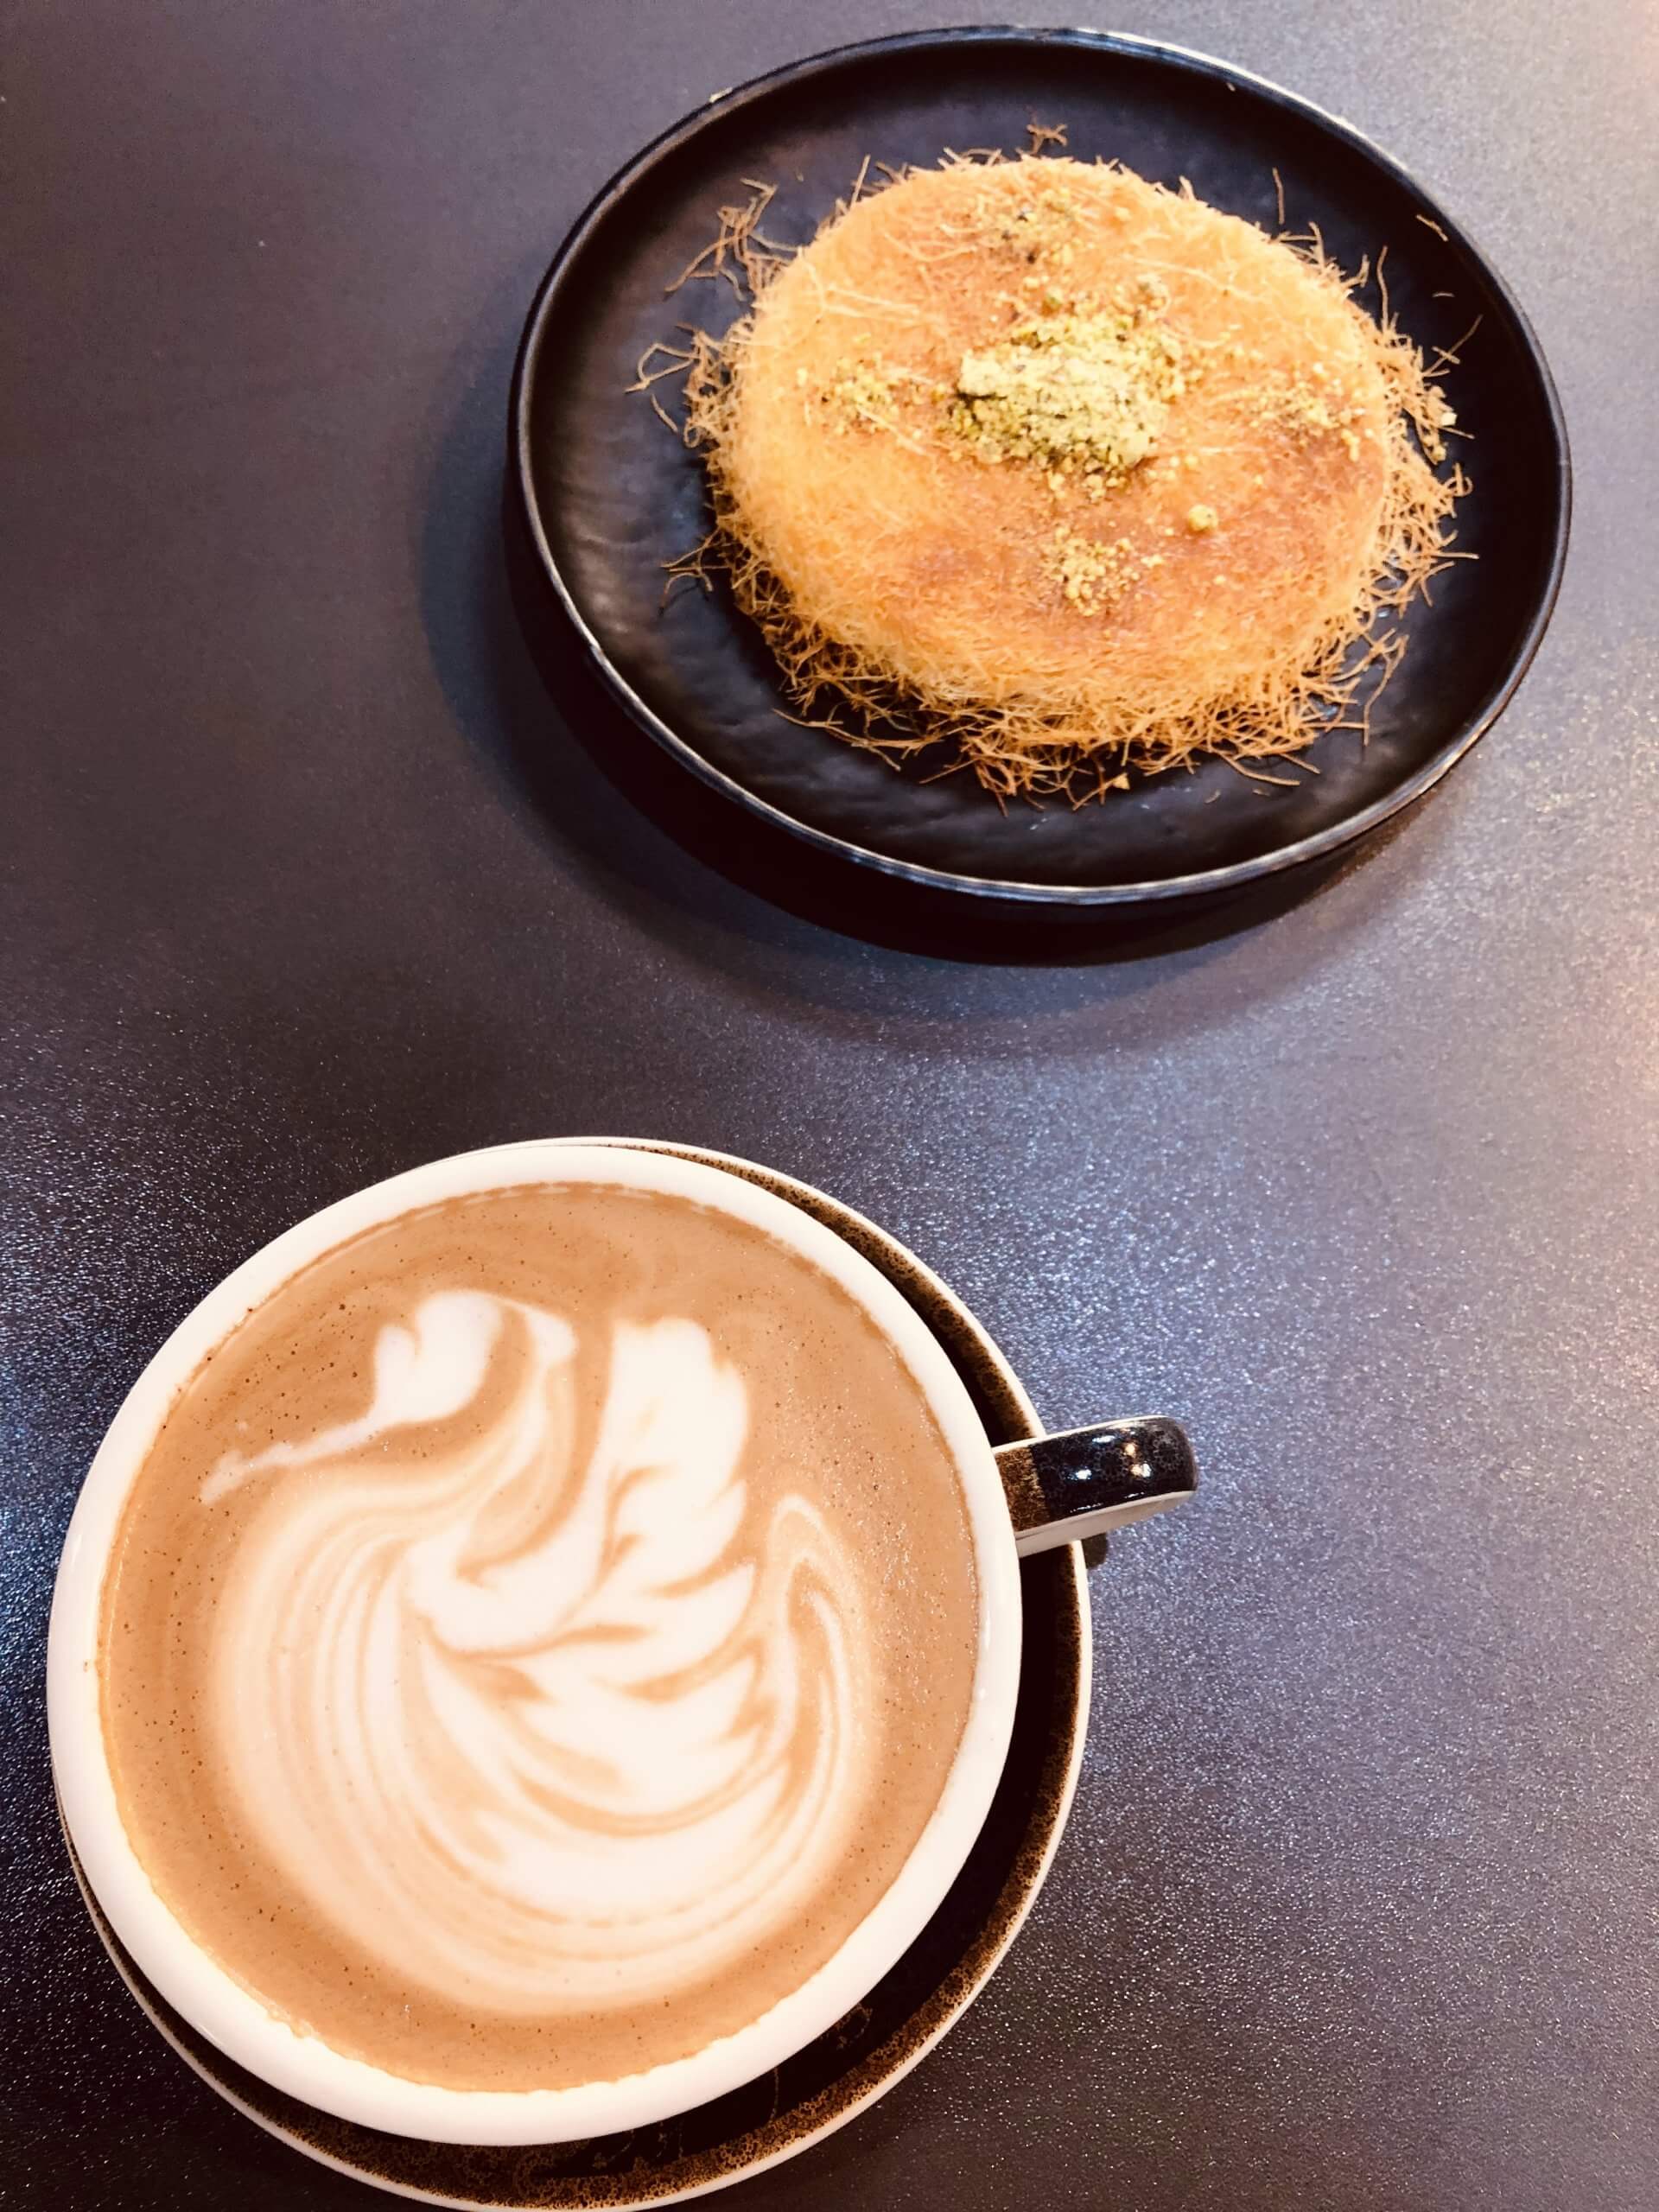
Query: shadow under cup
x=844 y=2067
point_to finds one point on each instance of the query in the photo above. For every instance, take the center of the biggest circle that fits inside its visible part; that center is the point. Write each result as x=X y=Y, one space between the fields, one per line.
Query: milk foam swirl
x=538 y=1733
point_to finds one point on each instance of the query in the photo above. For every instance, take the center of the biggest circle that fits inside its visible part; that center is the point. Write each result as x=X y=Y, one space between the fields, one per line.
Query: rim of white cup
x=230 y=2015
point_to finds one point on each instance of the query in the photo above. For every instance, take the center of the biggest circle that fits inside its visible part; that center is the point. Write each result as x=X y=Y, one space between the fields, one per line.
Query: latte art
x=537 y=1636
x=545 y=1726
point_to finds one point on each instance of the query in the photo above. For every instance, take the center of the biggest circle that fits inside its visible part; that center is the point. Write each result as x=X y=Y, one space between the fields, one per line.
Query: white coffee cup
x=303 y=2066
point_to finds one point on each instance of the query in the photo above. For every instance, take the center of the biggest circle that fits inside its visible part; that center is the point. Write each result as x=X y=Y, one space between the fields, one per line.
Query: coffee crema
x=537 y=1636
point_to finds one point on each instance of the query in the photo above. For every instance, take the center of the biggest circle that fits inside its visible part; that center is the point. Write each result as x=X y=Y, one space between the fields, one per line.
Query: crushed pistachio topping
x=1093 y=573
x=1083 y=392
x=1040 y=226
x=1311 y=404
x=862 y=395
x=1438 y=419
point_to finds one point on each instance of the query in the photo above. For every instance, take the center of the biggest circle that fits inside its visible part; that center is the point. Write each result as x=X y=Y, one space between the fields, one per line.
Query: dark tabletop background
x=305 y=882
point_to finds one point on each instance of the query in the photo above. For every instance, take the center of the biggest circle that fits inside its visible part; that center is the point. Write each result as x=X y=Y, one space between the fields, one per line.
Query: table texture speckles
x=1356 y=1910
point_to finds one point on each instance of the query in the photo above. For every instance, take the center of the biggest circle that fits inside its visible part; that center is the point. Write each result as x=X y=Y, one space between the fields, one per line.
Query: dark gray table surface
x=1357 y=1907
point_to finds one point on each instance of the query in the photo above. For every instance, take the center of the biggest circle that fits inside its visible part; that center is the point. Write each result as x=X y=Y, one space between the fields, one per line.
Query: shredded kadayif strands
x=1068 y=472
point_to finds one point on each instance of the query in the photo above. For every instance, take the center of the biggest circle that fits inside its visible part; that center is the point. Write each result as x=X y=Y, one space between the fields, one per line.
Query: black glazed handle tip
x=1086 y=1481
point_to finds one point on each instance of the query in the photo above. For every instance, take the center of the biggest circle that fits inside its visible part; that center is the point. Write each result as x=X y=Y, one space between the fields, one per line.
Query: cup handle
x=1084 y=1482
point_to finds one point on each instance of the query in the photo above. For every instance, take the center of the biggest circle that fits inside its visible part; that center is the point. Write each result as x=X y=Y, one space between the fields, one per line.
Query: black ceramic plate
x=610 y=495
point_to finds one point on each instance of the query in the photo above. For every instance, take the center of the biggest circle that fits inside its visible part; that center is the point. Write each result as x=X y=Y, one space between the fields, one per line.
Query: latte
x=537 y=1636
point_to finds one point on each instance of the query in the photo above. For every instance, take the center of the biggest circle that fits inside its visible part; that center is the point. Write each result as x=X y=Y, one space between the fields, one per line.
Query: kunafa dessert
x=1069 y=472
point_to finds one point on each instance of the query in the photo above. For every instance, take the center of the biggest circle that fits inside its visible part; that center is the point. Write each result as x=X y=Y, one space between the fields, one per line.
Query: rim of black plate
x=1201 y=883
